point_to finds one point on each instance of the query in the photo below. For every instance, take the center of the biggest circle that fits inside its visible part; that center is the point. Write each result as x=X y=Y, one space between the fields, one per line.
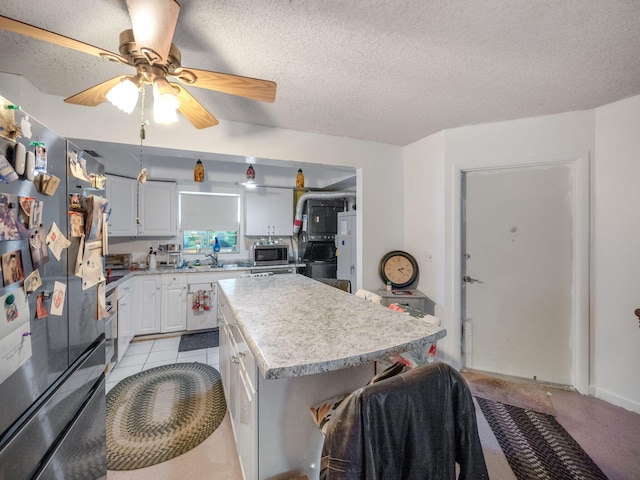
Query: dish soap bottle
x=216 y=246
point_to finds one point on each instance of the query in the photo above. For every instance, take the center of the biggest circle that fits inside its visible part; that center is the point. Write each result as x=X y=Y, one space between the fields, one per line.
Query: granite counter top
x=123 y=276
x=297 y=326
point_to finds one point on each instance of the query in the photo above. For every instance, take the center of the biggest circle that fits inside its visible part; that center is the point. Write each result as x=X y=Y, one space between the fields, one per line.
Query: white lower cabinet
x=125 y=317
x=148 y=292
x=239 y=371
x=174 y=303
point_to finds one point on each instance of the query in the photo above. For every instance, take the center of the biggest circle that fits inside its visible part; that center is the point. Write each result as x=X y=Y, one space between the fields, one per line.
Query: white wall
x=379 y=166
x=616 y=253
x=424 y=213
x=608 y=136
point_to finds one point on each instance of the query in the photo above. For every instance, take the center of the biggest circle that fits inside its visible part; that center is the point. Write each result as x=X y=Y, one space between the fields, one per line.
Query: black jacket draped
x=416 y=425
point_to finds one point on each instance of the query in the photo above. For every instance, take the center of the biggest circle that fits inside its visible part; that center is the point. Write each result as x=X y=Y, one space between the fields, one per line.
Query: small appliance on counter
x=173 y=254
x=118 y=261
x=117 y=265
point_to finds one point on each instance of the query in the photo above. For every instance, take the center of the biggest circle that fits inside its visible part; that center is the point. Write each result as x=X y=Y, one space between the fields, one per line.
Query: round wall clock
x=399 y=268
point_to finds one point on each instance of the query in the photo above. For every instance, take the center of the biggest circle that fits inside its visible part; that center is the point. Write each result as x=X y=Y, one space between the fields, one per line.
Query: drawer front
x=124 y=288
x=416 y=303
x=238 y=348
x=207 y=277
x=174 y=279
x=241 y=350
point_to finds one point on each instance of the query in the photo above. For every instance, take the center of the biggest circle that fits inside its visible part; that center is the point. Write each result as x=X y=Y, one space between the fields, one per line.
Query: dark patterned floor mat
x=197 y=341
x=537 y=446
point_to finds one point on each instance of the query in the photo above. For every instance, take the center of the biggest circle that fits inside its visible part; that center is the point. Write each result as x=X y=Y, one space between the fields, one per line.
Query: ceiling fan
x=148 y=47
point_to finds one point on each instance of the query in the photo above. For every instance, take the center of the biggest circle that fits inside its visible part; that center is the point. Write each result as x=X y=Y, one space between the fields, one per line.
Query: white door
x=517 y=271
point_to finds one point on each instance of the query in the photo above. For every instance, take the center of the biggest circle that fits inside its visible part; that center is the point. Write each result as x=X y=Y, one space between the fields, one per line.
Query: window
x=205 y=216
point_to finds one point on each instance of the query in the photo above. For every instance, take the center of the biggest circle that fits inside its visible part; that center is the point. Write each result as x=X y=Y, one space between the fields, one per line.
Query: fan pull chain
x=142 y=176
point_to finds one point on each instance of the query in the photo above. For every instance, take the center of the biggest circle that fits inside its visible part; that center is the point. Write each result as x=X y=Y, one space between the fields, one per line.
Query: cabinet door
x=122 y=194
x=157 y=209
x=148 y=304
x=245 y=424
x=256 y=212
x=269 y=211
x=174 y=308
x=208 y=316
x=225 y=360
x=124 y=324
x=281 y=212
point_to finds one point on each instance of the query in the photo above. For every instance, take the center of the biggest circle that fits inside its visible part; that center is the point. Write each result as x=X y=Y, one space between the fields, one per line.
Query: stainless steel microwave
x=272 y=254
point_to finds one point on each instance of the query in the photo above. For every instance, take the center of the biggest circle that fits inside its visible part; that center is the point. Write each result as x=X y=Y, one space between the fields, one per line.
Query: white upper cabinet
x=158 y=209
x=122 y=195
x=269 y=211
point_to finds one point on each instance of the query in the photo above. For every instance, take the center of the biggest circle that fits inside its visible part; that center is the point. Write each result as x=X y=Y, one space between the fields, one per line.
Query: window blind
x=202 y=212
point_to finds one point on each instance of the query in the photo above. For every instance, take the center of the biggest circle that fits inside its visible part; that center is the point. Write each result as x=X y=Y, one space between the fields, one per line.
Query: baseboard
x=617 y=400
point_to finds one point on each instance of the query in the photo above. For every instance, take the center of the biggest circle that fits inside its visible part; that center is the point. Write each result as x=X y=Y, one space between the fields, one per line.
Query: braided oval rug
x=160 y=413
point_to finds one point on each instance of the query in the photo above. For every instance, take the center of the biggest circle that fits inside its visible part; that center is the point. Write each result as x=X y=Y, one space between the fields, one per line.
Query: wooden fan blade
x=256 y=89
x=15 y=26
x=153 y=23
x=95 y=95
x=193 y=110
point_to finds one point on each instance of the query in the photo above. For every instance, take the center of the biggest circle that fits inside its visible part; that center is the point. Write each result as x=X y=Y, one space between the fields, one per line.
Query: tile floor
x=216 y=458
x=145 y=354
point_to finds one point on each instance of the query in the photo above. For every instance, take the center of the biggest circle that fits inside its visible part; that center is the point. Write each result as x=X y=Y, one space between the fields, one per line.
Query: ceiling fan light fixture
x=153 y=23
x=165 y=102
x=124 y=95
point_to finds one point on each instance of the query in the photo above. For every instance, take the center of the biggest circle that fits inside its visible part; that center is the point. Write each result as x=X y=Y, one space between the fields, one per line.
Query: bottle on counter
x=300 y=179
x=153 y=261
x=216 y=245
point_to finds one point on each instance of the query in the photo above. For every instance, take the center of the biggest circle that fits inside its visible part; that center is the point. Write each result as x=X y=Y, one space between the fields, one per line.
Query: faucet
x=214 y=258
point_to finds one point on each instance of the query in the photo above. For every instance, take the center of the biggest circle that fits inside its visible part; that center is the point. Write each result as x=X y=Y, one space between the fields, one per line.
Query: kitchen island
x=288 y=342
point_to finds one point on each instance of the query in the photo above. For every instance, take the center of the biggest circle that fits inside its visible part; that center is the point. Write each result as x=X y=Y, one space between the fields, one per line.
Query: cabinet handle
x=235 y=359
x=241 y=354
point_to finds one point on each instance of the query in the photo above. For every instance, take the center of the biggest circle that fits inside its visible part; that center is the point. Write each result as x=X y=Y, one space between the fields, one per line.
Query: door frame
x=580 y=315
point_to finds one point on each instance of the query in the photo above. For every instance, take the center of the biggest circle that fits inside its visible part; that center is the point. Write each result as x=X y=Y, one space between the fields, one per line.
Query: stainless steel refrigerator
x=52 y=339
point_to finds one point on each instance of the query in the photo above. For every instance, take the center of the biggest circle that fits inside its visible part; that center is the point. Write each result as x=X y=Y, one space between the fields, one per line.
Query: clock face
x=399 y=268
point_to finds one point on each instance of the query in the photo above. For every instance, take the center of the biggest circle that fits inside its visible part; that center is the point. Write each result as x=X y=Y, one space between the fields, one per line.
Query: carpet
x=197 y=341
x=519 y=394
x=160 y=413
x=536 y=445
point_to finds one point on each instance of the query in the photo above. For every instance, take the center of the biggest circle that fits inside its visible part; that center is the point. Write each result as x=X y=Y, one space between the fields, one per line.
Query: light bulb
x=165 y=102
x=124 y=95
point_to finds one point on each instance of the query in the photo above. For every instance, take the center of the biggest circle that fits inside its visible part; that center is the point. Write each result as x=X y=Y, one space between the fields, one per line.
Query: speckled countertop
x=124 y=276
x=297 y=326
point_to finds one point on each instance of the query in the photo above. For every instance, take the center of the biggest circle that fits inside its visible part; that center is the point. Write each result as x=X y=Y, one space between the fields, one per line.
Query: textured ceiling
x=379 y=70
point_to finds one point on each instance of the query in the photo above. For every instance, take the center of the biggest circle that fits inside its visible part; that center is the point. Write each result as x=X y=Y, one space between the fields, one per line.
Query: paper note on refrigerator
x=15 y=349
x=56 y=241
x=57 y=302
x=15 y=335
x=92 y=269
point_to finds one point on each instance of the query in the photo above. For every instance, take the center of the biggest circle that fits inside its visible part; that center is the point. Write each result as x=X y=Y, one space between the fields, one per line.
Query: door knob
x=468 y=279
